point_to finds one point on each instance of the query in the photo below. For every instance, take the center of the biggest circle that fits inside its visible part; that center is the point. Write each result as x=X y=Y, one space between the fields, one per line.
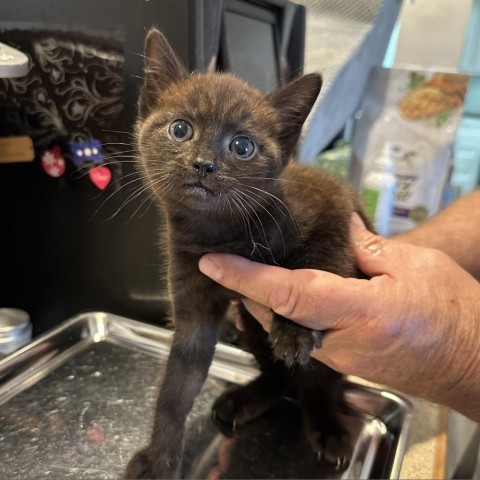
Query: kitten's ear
x=162 y=67
x=293 y=104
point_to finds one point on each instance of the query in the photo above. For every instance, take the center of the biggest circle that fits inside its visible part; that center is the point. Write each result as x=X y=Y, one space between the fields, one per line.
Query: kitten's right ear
x=293 y=104
x=162 y=67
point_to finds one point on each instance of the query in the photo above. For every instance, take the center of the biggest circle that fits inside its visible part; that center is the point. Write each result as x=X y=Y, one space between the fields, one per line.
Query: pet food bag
x=418 y=114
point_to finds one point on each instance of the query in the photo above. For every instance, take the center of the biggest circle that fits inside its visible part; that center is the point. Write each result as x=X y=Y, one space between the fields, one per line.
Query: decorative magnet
x=87 y=152
x=100 y=176
x=53 y=162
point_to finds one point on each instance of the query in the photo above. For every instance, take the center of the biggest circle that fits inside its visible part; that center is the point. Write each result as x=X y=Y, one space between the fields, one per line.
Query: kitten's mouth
x=198 y=187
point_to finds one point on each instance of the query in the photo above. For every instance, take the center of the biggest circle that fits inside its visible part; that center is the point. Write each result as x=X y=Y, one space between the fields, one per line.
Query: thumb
x=375 y=255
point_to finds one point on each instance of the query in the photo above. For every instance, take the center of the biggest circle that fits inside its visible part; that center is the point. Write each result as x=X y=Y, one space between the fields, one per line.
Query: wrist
x=461 y=391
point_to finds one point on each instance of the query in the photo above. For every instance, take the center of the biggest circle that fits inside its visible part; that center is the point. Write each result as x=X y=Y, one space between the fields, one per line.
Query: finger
x=376 y=255
x=300 y=295
x=337 y=351
x=331 y=360
x=238 y=321
x=264 y=284
x=261 y=313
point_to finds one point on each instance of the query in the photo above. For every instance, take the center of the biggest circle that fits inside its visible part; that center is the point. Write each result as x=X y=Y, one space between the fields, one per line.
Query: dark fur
x=265 y=209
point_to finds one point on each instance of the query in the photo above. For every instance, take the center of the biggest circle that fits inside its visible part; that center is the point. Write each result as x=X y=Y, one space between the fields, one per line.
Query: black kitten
x=215 y=153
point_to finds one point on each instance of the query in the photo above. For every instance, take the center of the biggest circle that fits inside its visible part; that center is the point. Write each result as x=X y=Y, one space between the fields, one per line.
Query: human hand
x=413 y=325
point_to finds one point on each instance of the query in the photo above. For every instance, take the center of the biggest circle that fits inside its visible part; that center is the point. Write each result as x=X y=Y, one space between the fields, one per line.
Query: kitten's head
x=203 y=139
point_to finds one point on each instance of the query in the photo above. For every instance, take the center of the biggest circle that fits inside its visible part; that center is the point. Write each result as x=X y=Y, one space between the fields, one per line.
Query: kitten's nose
x=204 y=167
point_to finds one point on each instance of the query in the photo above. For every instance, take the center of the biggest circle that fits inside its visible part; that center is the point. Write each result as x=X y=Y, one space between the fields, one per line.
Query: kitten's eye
x=181 y=130
x=242 y=147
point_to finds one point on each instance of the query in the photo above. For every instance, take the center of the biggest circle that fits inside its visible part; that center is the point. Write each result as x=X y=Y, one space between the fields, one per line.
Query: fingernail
x=210 y=268
x=357 y=227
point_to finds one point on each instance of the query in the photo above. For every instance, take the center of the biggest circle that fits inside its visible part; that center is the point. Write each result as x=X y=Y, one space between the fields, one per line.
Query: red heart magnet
x=100 y=176
x=53 y=163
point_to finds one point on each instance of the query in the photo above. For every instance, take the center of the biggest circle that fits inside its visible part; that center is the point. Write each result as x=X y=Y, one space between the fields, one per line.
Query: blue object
x=87 y=152
x=470 y=59
x=466 y=171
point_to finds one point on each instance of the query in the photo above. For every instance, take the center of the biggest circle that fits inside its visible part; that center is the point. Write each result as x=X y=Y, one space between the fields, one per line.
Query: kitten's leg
x=320 y=398
x=190 y=357
x=242 y=404
x=291 y=342
x=319 y=387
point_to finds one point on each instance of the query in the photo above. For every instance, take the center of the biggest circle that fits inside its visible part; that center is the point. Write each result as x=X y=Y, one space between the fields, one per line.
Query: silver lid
x=13 y=319
x=13 y=62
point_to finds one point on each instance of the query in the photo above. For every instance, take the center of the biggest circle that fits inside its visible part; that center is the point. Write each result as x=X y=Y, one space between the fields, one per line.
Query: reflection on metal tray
x=78 y=401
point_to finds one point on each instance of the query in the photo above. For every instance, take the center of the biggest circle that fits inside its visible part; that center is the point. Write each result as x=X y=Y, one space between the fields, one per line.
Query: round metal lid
x=12 y=319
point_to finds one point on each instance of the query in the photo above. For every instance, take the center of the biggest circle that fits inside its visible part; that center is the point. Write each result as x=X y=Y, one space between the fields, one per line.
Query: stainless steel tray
x=78 y=401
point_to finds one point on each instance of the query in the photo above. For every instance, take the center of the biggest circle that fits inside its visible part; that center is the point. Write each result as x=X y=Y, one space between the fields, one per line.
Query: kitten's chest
x=268 y=240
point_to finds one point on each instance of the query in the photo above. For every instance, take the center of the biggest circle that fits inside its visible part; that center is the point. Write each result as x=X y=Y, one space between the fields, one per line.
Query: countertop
x=426 y=448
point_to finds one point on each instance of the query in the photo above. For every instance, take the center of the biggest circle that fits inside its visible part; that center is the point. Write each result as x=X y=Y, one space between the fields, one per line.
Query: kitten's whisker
x=130 y=198
x=126 y=153
x=119 y=131
x=304 y=184
x=113 y=184
x=240 y=209
x=83 y=170
x=246 y=198
x=274 y=200
x=284 y=180
x=119 y=156
x=149 y=196
x=234 y=215
x=270 y=214
x=120 y=160
x=118 y=143
x=270 y=201
x=245 y=216
x=255 y=244
x=164 y=186
x=113 y=193
x=152 y=199
x=246 y=195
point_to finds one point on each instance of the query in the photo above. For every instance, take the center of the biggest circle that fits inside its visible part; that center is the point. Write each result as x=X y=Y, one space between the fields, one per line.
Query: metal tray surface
x=78 y=401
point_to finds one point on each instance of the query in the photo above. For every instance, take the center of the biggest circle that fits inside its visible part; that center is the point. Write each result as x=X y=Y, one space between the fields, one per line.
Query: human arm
x=455 y=231
x=413 y=326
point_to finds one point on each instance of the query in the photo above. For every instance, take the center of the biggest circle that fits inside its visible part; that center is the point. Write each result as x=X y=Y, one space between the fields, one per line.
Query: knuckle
x=234 y=281
x=434 y=257
x=434 y=262
x=236 y=284
x=284 y=299
x=372 y=242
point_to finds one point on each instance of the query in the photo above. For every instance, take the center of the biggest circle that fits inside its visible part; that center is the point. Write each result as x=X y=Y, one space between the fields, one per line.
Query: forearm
x=455 y=231
x=464 y=396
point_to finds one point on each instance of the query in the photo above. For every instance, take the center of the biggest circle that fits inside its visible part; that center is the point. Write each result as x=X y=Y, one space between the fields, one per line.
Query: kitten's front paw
x=142 y=466
x=293 y=343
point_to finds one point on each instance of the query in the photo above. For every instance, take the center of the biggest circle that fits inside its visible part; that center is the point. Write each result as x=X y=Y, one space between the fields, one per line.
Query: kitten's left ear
x=293 y=104
x=162 y=68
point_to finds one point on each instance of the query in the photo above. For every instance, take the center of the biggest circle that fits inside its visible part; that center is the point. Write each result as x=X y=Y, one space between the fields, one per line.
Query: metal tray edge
x=230 y=363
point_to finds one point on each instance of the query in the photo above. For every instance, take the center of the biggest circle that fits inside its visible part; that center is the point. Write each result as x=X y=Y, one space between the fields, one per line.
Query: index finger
x=313 y=298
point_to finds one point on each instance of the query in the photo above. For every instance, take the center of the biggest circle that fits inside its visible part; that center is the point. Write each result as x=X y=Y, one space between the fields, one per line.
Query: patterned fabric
x=72 y=93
